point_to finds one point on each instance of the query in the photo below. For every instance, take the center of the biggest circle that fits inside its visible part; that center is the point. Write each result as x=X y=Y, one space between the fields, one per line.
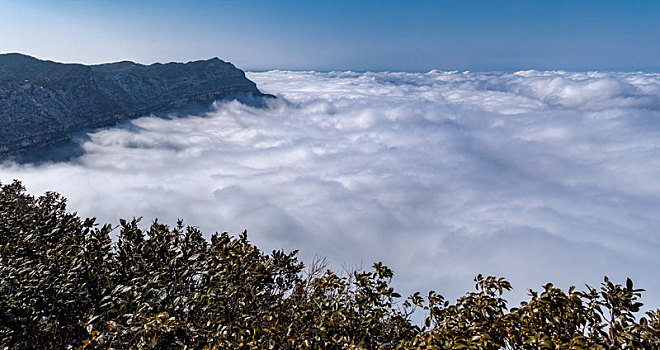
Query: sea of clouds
x=535 y=176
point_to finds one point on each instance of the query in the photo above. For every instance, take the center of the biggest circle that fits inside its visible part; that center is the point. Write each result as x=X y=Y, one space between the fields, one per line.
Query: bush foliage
x=66 y=284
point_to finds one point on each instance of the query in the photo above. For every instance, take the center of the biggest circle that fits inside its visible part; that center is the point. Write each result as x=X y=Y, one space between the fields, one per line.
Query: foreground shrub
x=65 y=284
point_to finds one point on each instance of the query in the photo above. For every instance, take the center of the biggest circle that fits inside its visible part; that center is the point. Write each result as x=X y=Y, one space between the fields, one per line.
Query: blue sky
x=338 y=34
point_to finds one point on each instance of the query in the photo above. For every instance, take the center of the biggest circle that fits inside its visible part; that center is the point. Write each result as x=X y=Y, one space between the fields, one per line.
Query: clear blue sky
x=338 y=34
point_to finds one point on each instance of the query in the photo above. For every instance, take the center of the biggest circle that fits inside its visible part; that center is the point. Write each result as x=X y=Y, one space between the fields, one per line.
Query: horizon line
x=366 y=70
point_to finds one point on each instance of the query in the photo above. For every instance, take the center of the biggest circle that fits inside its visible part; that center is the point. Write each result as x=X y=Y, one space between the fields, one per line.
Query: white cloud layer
x=536 y=176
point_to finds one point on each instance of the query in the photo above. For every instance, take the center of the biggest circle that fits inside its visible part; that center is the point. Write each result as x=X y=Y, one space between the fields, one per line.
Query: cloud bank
x=536 y=176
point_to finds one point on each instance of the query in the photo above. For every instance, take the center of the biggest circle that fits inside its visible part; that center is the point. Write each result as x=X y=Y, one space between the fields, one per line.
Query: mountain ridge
x=44 y=102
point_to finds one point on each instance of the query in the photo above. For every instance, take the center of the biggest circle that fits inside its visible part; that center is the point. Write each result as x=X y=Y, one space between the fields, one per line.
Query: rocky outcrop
x=43 y=102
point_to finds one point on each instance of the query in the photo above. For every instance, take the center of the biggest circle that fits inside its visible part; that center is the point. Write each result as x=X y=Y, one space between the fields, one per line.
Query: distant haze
x=342 y=35
x=536 y=176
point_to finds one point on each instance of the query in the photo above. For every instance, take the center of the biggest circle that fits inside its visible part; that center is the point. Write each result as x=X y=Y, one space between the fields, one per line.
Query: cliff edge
x=44 y=102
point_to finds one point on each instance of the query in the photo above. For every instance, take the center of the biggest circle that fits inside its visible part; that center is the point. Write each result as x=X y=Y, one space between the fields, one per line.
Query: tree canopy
x=66 y=284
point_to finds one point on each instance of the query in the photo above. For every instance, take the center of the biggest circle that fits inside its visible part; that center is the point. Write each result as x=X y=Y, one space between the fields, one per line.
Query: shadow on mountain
x=57 y=152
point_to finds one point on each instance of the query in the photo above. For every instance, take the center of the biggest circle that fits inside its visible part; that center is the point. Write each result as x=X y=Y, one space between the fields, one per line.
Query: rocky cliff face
x=43 y=102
